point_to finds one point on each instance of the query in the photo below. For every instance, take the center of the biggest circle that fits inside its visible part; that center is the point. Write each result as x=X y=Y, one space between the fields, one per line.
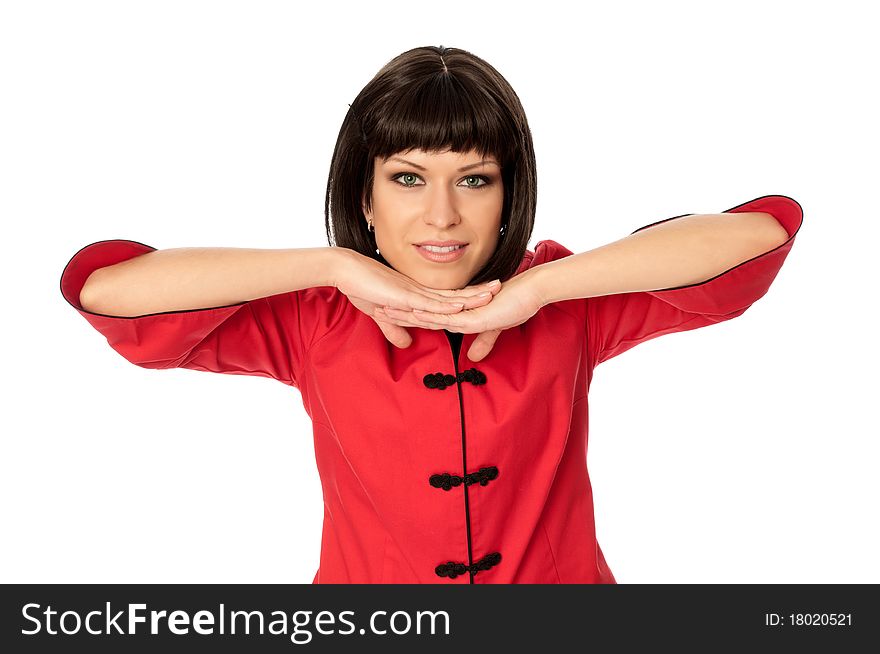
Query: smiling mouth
x=442 y=250
x=441 y=255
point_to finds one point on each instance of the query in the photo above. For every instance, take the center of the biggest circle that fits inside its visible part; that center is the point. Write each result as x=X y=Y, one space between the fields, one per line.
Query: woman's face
x=440 y=197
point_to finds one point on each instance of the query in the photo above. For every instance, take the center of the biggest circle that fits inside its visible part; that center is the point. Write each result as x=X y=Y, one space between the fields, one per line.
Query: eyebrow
x=462 y=169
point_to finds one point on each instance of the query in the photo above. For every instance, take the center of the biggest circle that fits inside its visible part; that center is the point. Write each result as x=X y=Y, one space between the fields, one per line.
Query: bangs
x=443 y=113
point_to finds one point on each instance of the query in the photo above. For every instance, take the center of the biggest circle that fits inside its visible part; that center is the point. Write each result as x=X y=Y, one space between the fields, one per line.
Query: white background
x=742 y=452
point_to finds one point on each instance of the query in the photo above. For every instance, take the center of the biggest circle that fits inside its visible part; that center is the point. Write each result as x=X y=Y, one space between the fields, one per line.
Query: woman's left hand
x=517 y=301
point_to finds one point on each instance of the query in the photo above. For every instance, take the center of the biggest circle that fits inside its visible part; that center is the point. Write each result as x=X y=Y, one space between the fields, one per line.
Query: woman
x=434 y=469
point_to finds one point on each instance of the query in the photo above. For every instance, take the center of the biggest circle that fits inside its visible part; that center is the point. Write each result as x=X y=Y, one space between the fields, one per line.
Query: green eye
x=409 y=179
x=477 y=177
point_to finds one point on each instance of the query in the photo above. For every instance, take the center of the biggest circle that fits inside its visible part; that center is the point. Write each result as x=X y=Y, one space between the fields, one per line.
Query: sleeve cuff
x=154 y=340
x=89 y=259
x=99 y=255
x=737 y=288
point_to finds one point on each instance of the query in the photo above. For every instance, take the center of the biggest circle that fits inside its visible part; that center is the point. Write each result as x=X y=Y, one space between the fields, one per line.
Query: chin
x=442 y=282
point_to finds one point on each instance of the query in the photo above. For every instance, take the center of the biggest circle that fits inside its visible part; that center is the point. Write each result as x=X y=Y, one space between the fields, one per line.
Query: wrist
x=338 y=264
x=542 y=280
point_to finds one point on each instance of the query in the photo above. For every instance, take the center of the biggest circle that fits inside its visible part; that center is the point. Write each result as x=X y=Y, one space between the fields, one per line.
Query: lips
x=441 y=248
x=441 y=257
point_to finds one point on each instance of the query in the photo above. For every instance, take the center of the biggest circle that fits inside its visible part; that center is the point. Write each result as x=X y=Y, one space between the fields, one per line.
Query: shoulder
x=546 y=250
x=550 y=250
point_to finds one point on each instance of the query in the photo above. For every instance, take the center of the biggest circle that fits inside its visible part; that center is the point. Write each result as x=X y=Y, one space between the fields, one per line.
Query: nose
x=441 y=210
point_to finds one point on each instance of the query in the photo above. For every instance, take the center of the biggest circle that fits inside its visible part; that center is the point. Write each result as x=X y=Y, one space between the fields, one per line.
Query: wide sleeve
x=618 y=322
x=266 y=337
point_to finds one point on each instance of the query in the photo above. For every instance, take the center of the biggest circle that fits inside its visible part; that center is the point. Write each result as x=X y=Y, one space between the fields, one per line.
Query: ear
x=367 y=213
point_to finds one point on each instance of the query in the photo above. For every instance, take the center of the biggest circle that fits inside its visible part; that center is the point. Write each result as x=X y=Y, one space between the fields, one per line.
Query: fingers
x=494 y=285
x=406 y=318
x=453 y=301
x=397 y=336
x=483 y=344
x=465 y=293
x=446 y=305
x=469 y=291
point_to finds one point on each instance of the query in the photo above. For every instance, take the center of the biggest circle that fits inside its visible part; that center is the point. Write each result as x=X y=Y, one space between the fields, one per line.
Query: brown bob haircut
x=434 y=99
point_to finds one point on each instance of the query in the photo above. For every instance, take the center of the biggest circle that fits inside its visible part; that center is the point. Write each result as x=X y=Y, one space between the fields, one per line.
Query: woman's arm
x=686 y=250
x=670 y=276
x=195 y=278
x=223 y=310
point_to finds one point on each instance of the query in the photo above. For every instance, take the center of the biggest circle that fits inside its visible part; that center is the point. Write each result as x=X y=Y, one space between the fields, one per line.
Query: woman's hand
x=371 y=285
x=517 y=301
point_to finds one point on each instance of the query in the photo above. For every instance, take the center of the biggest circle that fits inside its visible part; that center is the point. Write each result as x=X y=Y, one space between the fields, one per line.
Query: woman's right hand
x=369 y=285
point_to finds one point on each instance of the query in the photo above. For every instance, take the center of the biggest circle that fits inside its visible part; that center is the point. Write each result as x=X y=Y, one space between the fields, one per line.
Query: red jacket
x=436 y=470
